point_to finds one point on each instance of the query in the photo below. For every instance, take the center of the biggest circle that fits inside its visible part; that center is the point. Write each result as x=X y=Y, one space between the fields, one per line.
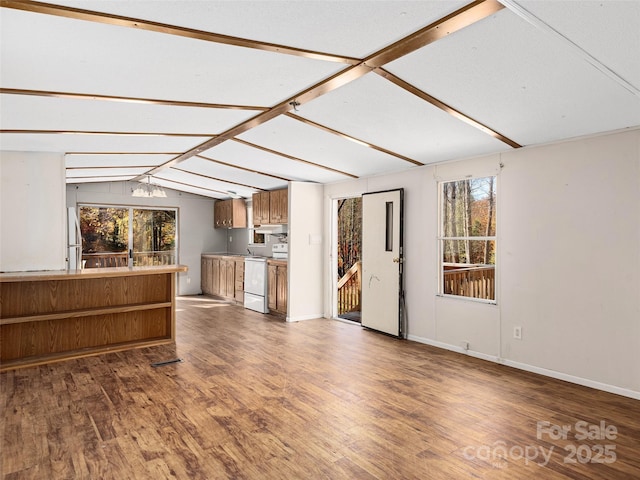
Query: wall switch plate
x=517 y=333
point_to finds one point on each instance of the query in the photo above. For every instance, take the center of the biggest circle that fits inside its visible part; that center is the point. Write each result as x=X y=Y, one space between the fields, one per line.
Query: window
x=468 y=238
x=254 y=238
x=111 y=239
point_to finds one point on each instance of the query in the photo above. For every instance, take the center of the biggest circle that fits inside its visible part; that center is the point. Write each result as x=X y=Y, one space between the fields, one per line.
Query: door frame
x=333 y=256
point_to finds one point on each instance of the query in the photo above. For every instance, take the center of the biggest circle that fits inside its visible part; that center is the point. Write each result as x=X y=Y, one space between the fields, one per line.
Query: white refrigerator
x=74 y=240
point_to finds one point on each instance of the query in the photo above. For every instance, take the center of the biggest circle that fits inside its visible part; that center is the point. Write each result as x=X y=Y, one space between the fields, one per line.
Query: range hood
x=272 y=229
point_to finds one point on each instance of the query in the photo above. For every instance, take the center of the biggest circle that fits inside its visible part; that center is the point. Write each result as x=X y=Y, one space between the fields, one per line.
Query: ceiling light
x=148 y=190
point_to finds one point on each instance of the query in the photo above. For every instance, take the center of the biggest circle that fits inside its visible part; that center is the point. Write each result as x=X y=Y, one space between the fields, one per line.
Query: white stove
x=280 y=250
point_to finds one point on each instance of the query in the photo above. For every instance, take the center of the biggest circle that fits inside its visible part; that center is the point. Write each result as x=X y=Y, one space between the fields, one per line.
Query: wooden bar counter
x=56 y=315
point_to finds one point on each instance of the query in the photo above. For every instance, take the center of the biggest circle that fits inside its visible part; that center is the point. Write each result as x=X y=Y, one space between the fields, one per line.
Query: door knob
x=396 y=260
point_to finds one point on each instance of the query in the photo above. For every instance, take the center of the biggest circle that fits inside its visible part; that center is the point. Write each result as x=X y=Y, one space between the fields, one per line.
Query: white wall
x=305 y=285
x=568 y=260
x=32 y=212
x=196 y=234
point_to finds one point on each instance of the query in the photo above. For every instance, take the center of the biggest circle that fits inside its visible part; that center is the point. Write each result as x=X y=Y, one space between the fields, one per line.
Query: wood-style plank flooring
x=258 y=398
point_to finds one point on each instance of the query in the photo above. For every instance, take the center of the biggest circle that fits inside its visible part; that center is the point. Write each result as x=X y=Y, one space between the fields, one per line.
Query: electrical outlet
x=188 y=280
x=517 y=333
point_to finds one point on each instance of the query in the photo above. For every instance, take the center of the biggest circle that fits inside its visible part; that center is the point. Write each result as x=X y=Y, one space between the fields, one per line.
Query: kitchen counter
x=56 y=315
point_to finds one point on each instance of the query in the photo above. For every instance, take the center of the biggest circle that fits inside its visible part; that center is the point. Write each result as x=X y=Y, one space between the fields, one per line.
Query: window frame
x=441 y=239
x=130 y=234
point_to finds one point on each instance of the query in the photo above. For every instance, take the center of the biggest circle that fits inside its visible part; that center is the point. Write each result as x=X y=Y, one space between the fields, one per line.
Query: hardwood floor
x=258 y=398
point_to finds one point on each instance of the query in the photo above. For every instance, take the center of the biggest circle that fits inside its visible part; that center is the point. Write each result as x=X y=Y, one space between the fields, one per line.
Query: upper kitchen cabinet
x=230 y=213
x=271 y=208
x=261 y=208
x=279 y=206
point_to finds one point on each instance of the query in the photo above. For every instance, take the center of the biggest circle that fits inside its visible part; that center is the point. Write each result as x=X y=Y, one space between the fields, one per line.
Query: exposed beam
x=113 y=98
x=461 y=18
x=217 y=179
x=189 y=185
x=352 y=139
x=94 y=132
x=337 y=80
x=122 y=153
x=103 y=167
x=296 y=159
x=141 y=24
x=457 y=20
x=251 y=170
x=444 y=107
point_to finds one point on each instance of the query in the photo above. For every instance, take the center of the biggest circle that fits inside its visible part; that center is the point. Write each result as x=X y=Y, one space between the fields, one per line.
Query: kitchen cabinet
x=239 y=280
x=279 y=206
x=227 y=278
x=230 y=213
x=223 y=276
x=261 y=208
x=206 y=275
x=271 y=208
x=277 y=286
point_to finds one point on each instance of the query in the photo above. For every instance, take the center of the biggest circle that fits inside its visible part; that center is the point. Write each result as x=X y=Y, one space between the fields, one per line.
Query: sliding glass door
x=127 y=236
x=154 y=237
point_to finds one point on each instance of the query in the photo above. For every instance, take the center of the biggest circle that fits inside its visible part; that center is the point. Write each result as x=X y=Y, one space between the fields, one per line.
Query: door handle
x=397 y=260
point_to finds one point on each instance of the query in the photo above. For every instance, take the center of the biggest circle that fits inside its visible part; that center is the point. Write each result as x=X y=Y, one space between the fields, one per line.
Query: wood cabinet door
x=215 y=276
x=279 y=206
x=217 y=214
x=261 y=208
x=222 y=214
x=281 y=293
x=239 y=280
x=230 y=278
x=272 y=294
x=238 y=213
x=205 y=275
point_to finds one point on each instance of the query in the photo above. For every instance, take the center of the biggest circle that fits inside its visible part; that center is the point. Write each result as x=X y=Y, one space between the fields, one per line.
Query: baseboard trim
x=585 y=382
x=305 y=317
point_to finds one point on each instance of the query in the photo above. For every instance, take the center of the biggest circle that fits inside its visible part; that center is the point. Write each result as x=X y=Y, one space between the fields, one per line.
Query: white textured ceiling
x=123 y=100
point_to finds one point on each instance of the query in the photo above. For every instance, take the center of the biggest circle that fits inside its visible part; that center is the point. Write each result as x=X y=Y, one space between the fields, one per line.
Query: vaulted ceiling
x=212 y=97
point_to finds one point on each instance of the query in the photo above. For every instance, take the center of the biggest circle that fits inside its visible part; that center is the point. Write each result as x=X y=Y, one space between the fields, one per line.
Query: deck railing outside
x=349 y=289
x=121 y=259
x=144 y=259
x=475 y=281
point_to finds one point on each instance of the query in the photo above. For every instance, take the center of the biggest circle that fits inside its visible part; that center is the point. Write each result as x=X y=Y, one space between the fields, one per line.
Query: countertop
x=45 y=275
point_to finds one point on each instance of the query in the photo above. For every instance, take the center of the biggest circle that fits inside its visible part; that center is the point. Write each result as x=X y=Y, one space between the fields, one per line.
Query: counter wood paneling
x=50 y=316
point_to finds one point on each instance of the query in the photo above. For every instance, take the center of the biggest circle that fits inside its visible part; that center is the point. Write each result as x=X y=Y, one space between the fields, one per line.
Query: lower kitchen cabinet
x=277 y=286
x=223 y=276
x=239 y=280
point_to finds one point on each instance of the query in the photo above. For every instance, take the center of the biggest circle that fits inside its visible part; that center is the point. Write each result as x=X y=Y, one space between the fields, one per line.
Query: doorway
x=348 y=259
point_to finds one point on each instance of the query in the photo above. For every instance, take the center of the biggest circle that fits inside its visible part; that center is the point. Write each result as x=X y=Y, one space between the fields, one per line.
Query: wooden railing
x=475 y=281
x=349 y=289
x=121 y=259
x=144 y=259
x=105 y=259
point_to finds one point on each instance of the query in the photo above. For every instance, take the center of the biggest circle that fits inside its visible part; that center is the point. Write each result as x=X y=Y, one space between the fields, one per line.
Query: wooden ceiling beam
x=352 y=139
x=141 y=24
x=444 y=107
x=250 y=170
x=217 y=179
x=113 y=98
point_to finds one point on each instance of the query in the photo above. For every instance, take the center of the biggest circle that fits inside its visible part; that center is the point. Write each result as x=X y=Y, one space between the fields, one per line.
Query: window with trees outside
x=123 y=236
x=468 y=238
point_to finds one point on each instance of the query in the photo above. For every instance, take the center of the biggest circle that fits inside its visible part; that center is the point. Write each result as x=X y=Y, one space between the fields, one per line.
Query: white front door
x=382 y=261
